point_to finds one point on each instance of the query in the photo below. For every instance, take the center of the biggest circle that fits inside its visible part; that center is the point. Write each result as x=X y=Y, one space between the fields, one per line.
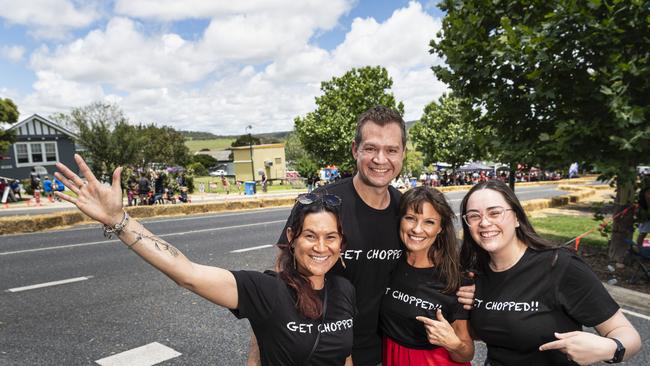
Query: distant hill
x=266 y=138
x=410 y=124
x=196 y=140
x=269 y=137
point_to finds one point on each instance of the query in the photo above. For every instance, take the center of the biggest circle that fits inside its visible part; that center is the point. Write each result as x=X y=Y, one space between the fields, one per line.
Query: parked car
x=217 y=173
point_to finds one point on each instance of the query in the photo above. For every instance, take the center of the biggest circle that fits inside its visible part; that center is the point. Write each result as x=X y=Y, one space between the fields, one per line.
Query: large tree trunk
x=511 y=178
x=623 y=228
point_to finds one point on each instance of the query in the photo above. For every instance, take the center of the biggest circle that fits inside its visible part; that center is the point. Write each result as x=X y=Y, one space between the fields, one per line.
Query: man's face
x=380 y=154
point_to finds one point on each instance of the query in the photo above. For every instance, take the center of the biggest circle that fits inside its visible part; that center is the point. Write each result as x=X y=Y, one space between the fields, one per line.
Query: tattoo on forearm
x=158 y=243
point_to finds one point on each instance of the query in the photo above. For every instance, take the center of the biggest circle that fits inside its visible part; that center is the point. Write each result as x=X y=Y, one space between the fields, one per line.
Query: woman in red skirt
x=421 y=319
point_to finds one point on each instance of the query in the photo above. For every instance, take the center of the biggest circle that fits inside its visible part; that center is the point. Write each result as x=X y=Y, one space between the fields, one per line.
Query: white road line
x=251 y=248
x=146 y=355
x=160 y=236
x=633 y=313
x=48 y=284
x=148 y=220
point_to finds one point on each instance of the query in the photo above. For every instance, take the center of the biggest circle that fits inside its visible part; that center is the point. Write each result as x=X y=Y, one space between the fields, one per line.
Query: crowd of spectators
x=155 y=187
x=445 y=178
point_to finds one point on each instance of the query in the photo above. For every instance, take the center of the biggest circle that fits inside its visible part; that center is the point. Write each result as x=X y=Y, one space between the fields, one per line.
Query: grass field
x=216 y=186
x=220 y=143
x=562 y=228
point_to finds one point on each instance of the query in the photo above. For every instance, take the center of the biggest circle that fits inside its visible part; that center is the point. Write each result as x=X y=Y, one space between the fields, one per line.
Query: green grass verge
x=560 y=229
x=220 y=143
x=233 y=188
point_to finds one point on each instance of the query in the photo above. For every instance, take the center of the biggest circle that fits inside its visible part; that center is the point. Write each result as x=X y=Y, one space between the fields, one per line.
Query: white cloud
x=401 y=45
x=402 y=40
x=323 y=14
x=123 y=57
x=252 y=65
x=53 y=93
x=48 y=18
x=12 y=53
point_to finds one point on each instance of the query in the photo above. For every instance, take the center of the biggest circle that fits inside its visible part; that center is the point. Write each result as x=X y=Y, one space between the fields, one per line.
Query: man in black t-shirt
x=369 y=210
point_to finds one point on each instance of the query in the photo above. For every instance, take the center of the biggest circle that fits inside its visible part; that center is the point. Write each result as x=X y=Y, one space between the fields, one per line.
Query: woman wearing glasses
x=421 y=319
x=298 y=315
x=532 y=298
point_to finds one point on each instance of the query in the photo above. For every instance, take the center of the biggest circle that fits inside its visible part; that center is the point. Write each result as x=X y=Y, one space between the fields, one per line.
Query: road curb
x=634 y=299
x=36 y=223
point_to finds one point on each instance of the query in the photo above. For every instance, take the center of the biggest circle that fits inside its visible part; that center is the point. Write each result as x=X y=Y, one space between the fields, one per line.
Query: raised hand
x=100 y=202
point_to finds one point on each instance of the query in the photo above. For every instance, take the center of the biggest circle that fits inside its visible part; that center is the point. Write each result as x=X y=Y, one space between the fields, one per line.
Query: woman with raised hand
x=532 y=297
x=421 y=319
x=300 y=316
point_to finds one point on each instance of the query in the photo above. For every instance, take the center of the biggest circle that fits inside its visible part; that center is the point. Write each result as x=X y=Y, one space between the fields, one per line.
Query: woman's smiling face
x=318 y=246
x=496 y=228
x=418 y=231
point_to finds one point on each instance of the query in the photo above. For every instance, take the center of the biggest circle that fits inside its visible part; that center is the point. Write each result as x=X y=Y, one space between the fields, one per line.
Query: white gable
x=36 y=125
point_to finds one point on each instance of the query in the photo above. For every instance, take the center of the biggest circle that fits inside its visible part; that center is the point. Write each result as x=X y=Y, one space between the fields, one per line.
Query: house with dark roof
x=40 y=143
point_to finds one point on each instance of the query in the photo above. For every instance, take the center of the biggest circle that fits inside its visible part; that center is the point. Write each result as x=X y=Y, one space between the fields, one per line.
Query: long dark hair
x=471 y=254
x=444 y=252
x=307 y=301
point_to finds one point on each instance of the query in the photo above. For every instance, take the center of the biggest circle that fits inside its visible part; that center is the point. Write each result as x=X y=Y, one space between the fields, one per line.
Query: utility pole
x=249 y=128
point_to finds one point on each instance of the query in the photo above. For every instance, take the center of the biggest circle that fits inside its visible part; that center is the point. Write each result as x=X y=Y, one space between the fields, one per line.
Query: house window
x=50 y=151
x=35 y=153
x=22 y=156
x=278 y=160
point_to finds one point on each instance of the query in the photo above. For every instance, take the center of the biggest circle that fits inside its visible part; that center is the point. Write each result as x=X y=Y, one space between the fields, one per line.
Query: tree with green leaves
x=104 y=133
x=327 y=132
x=206 y=160
x=109 y=140
x=246 y=140
x=445 y=132
x=556 y=81
x=413 y=163
x=306 y=167
x=293 y=149
x=8 y=115
x=163 y=145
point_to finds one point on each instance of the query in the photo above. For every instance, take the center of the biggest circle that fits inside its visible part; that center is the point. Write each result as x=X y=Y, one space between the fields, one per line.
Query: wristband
x=116 y=230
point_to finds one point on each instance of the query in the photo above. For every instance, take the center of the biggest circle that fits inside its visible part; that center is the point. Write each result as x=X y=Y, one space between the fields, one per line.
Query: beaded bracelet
x=116 y=230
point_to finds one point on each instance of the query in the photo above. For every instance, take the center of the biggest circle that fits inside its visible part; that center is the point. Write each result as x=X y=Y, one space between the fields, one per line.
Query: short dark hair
x=382 y=116
x=472 y=255
x=444 y=253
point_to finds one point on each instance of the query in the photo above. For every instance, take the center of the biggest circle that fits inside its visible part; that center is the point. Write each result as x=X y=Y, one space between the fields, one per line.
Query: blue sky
x=197 y=65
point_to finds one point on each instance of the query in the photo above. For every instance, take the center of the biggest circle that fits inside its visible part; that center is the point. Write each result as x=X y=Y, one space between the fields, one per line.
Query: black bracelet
x=619 y=353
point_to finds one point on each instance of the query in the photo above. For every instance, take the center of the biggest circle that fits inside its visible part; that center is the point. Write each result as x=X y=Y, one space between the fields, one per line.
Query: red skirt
x=394 y=354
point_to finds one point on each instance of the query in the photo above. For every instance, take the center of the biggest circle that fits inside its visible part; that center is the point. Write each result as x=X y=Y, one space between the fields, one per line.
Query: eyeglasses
x=494 y=215
x=328 y=199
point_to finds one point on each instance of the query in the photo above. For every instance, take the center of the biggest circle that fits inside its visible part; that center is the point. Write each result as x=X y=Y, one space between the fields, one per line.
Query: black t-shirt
x=415 y=292
x=373 y=248
x=517 y=310
x=35 y=180
x=284 y=336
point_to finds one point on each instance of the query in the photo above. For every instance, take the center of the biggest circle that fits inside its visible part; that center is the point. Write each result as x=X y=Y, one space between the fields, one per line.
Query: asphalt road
x=118 y=302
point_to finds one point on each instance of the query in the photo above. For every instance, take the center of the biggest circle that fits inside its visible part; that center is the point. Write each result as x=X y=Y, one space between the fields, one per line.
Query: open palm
x=100 y=202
